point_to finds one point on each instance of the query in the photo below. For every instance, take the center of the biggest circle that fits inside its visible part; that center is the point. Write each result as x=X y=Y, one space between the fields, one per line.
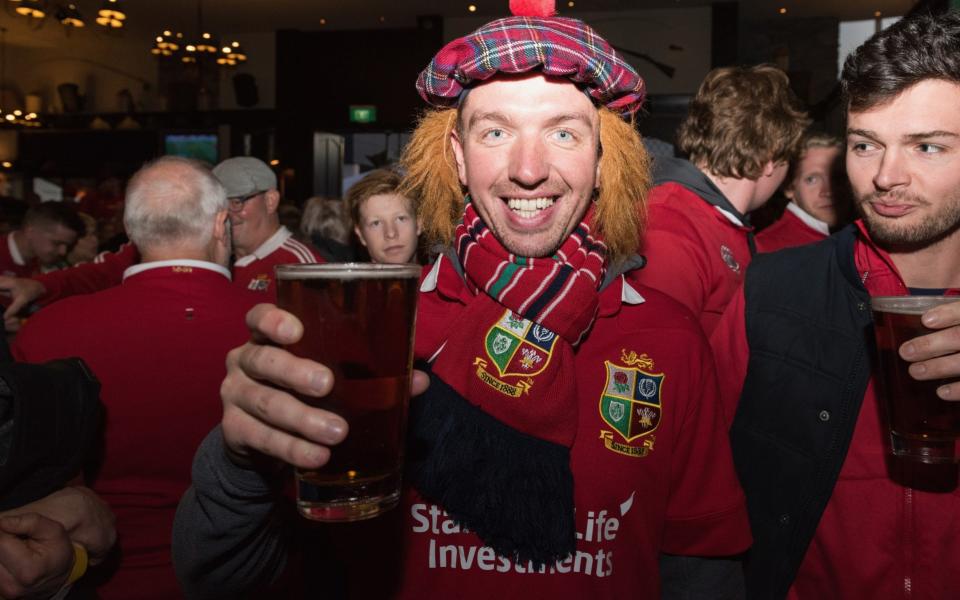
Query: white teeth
x=528 y=207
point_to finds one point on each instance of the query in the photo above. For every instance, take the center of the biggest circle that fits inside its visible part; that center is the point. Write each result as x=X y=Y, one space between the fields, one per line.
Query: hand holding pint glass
x=358 y=320
x=923 y=427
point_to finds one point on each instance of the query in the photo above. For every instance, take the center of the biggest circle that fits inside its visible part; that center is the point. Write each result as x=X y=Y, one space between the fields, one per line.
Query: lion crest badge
x=517 y=350
x=631 y=404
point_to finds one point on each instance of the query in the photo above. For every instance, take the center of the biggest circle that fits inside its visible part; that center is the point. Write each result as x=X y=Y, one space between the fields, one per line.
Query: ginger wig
x=431 y=180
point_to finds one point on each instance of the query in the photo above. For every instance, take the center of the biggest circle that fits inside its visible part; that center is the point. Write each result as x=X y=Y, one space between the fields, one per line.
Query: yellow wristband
x=80 y=561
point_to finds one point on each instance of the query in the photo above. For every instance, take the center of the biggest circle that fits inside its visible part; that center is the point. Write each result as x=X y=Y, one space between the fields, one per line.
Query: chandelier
x=110 y=15
x=170 y=45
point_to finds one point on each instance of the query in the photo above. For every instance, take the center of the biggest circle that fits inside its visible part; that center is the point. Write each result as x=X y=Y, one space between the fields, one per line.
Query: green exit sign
x=365 y=113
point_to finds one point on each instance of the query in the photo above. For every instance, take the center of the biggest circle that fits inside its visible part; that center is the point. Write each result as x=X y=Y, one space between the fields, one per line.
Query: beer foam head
x=909 y=305
x=348 y=271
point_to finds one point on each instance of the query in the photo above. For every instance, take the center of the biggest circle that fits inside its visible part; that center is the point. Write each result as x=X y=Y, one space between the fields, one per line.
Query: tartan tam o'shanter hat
x=534 y=39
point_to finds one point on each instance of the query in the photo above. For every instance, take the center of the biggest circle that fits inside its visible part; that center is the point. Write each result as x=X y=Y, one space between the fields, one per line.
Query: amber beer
x=922 y=426
x=358 y=320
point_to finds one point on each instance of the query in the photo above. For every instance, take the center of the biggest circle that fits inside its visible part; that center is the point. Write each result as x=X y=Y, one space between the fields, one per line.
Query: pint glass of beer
x=922 y=426
x=358 y=320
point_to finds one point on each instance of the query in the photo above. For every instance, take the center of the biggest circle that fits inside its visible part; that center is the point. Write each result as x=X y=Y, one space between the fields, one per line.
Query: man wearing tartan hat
x=569 y=434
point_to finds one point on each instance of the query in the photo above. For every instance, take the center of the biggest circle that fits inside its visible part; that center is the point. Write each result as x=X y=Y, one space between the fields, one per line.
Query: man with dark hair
x=566 y=478
x=742 y=129
x=46 y=235
x=832 y=515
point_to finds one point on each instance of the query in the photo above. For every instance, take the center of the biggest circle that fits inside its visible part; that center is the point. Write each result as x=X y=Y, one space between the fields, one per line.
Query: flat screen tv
x=201 y=146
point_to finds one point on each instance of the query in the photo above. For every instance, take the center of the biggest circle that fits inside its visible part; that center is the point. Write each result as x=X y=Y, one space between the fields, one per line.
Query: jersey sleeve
x=706 y=514
x=676 y=265
x=731 y=354
x=106 y=271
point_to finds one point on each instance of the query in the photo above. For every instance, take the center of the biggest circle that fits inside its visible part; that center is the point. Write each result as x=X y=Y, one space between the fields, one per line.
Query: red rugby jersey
x=12 y=263
x=794 y=228
x=663 y=485
x=255 y=272
x=695 y=253
x=157 y=343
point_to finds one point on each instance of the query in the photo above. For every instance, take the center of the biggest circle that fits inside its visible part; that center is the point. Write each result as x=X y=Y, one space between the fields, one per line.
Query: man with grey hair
x=260 y=243
x=157 y=343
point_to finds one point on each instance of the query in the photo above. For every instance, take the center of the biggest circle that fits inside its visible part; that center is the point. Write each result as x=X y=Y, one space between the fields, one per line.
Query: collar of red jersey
x=730 y=216
x=184 y=262
x=628 y=294
x=266 y=249
x=15 y=251
x=809 y=220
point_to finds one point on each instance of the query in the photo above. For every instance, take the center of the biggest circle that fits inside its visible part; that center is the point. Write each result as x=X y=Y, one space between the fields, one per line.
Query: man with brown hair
x=833 y=514
x=743 y=128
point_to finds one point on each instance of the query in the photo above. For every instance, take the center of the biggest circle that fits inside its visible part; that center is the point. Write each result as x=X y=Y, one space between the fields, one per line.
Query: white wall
x=854 y=33
x=100 y=64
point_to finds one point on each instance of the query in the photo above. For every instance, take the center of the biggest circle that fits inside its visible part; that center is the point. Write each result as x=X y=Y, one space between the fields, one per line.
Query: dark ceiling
x=242 y=16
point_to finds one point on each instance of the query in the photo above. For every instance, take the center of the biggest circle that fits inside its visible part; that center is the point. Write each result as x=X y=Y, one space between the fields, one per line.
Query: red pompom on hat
x=533 y=8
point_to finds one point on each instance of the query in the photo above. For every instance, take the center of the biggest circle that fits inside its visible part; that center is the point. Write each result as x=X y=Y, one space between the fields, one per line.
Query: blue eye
x=494 y=134
x=564 y=136
x=929 y=148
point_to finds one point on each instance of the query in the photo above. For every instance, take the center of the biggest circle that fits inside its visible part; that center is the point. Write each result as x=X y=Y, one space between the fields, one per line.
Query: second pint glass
x=922 y=426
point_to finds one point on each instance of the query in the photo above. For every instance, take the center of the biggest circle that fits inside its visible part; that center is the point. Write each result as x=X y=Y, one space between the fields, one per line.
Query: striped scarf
x=491 y=437
x=559 y=292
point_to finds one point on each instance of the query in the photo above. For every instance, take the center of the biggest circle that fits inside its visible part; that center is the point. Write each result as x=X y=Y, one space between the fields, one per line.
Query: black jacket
x=810 y=332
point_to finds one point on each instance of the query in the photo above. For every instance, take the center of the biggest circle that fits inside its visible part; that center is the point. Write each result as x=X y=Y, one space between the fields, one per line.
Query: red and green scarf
x=490 y=439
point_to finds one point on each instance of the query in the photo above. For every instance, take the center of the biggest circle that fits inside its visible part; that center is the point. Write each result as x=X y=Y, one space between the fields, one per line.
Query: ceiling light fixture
x=206 y=47
x=783 y=10
x=69 y=16
x=111 y=14
x=472 y=8
x=30 y=8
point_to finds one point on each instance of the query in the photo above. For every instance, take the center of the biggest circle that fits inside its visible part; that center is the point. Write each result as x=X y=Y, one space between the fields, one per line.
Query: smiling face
x=903 y=160
x=527 y=151
x=254 y=220
x=388 y=228
x=815 y=181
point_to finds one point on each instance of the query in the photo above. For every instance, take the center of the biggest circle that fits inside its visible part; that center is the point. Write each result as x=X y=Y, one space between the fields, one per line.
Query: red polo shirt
x=253 y=272
x=157 y=344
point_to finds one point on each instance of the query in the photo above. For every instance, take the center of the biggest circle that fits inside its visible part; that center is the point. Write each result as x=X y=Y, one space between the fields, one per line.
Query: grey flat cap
x=245 y=175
